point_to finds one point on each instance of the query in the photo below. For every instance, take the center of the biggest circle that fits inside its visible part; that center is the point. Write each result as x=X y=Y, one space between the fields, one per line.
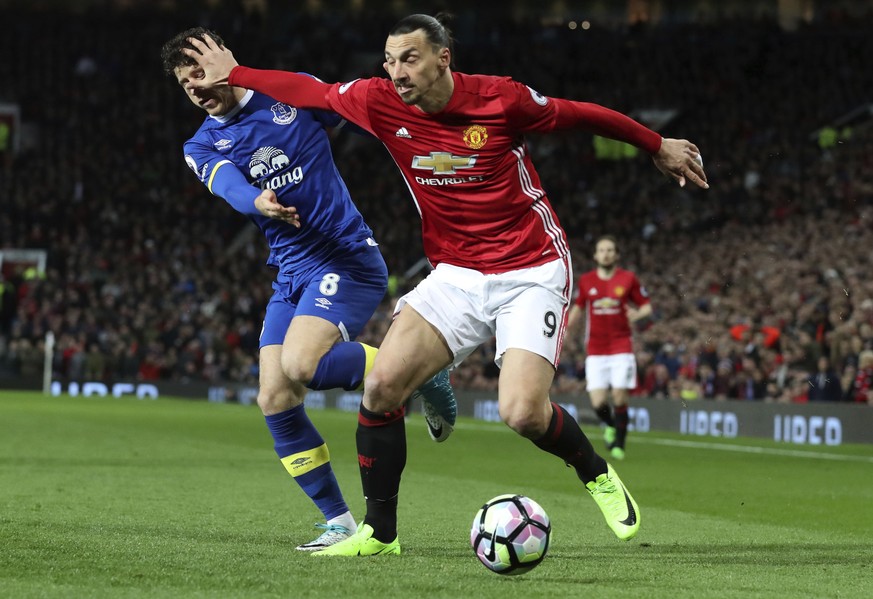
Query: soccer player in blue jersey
x=273 y=163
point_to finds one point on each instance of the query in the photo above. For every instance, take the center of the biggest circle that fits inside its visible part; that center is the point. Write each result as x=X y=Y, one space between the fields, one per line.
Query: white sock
x=344 y=520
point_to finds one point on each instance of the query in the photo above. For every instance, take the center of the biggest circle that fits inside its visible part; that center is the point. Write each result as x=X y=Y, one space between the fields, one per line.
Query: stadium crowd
x=760 y=285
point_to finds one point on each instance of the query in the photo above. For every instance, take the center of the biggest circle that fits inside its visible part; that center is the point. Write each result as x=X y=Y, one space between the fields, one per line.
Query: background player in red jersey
x=612 y=299
x=502 y=265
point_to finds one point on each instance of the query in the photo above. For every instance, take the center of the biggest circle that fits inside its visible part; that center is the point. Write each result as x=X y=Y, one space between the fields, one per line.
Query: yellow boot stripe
x=304 y=461
x=370 y=353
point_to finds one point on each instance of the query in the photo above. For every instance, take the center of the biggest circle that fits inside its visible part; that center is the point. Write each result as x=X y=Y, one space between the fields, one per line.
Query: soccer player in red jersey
x=502 y=265
x=611 y=299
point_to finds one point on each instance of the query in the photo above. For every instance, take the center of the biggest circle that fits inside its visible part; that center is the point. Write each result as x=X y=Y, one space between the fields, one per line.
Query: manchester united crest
x=475 y=136
x=619 y=290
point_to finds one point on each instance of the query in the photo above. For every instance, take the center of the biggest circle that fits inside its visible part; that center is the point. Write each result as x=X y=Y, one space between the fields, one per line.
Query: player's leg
x=316 y=347
x=316 y=355
x=621 y=422
x=624 y=378
x=300 y=447
x=332 y=310
x=529 y=327
x=412 y=352
x=333 y=304
x=525 y=379
x=523 y=399
x=435 y=326
x=597 y=384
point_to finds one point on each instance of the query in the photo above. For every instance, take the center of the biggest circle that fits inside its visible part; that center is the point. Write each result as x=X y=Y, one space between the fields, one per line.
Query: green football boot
x=618 y=507
x=361 y=543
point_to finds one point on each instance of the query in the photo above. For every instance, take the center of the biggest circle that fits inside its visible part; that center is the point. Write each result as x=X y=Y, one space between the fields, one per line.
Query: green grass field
x=172 y=498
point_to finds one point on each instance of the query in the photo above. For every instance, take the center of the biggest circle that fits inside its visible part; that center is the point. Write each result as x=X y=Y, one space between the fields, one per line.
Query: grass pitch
x=103 y=497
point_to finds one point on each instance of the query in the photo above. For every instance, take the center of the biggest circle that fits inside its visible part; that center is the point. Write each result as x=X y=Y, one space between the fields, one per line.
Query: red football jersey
x=480 y=199
x=607 y=329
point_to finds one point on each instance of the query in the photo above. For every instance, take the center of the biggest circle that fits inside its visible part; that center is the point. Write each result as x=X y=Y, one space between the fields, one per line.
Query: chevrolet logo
x=443 y=163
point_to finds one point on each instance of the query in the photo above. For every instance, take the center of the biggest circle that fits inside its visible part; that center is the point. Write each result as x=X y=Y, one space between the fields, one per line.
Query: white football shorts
x=618 y=371
x=523 y=309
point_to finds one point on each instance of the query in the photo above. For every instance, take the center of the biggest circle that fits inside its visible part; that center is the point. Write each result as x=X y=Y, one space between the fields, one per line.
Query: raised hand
x=216 y=61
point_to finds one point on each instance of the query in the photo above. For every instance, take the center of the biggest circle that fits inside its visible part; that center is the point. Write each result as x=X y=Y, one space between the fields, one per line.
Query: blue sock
x=305 y=456
x=344 y=366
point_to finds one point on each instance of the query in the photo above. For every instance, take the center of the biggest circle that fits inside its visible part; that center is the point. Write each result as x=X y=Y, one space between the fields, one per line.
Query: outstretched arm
x=677 y=158
x=221 y=68
x=298 y=90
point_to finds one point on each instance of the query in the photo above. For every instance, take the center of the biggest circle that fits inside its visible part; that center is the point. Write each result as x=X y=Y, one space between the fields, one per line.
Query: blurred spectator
x=864 y=379
x=824 y=384
x=95 y=364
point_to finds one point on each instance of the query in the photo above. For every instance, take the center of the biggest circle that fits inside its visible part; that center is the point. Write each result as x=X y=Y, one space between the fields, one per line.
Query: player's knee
x=528 y=421
x=276 y=400
x=383 y=393
x=298 y=368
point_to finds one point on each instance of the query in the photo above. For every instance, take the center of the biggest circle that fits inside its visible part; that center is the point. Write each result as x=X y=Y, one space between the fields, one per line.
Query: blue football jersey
x=263 y=143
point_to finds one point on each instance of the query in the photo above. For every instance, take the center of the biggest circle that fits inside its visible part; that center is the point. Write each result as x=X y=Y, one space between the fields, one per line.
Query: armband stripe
x=212 y=176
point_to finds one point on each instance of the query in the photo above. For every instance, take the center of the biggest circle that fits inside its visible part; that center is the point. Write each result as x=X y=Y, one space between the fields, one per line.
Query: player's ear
x=445 y=58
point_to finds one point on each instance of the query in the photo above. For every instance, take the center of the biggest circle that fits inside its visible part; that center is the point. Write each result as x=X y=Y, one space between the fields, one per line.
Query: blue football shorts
x=345 y=290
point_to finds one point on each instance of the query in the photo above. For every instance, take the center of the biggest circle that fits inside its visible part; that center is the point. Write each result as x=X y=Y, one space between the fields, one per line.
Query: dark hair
x=171 y=52
x=434 y=28
x=608 y=238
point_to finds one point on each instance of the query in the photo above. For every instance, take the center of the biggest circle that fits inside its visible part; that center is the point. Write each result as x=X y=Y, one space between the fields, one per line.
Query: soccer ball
x=510 y=534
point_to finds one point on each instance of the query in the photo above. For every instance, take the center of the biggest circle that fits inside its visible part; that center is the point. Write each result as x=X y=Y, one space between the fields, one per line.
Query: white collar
x=233 y=111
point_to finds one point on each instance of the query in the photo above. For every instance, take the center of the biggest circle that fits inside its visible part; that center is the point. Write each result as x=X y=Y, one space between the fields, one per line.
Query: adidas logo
x=402 y=132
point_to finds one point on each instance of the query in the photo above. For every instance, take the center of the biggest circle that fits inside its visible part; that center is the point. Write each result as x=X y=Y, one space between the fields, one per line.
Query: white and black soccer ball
x=510 y=534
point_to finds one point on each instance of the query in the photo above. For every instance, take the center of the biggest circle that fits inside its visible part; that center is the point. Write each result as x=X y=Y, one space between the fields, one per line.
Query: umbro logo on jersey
x=402 y=132
x=323 y=302
x=223 y=144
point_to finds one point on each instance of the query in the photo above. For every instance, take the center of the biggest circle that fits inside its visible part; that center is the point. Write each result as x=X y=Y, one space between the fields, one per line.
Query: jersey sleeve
x=297 y=89
x=638 y=293
x=526 y=109
x=221 y=177
x=350 y=100
x=328 y=119
x=529 y=110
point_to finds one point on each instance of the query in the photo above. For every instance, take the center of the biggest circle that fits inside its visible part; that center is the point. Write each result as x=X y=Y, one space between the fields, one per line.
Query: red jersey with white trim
x=480 y=199
x=607 y=329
